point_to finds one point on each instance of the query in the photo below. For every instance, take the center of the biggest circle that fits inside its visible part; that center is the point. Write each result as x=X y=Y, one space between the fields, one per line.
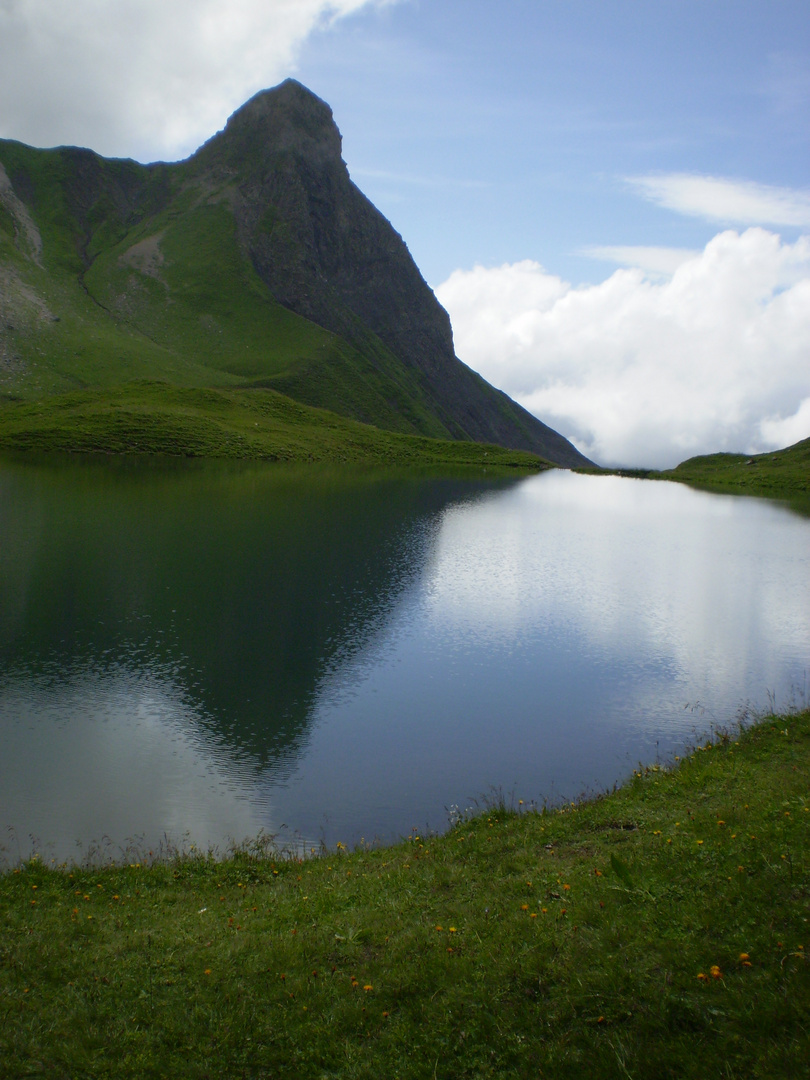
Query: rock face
x=328 y=254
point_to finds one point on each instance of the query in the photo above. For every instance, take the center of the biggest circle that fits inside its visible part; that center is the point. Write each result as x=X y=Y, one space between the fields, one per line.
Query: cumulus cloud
x=648 y=372
x=716 y=199
x=145 y=78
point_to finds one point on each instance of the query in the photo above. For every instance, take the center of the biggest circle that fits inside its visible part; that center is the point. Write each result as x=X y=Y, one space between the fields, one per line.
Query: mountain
x=256 y=264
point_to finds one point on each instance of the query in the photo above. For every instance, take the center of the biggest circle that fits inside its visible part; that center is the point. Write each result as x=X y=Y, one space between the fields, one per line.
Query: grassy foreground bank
x=661 y=931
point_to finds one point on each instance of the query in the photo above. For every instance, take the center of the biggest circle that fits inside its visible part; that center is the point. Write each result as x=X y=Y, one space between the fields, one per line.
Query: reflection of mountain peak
x=249 y=605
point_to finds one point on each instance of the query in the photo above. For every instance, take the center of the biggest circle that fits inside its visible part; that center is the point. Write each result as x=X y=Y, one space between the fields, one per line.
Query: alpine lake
x=196 y=653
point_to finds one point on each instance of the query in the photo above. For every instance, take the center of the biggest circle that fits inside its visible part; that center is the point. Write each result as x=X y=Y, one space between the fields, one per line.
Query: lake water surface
x=205 y=651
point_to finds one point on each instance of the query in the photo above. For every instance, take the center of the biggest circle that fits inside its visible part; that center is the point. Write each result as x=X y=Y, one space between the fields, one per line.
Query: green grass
x=660 y=931
x=158 y=418
x=779 y=474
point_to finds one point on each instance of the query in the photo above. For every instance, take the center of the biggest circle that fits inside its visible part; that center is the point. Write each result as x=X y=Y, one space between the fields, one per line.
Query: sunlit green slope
x=170 y=298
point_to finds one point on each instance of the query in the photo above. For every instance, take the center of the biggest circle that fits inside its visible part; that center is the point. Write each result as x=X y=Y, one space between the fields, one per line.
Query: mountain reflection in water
x=199 y=606
x=211 y=650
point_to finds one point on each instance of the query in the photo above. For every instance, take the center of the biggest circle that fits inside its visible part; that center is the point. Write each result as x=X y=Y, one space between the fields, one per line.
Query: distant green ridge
x=785 y=470
x=780 y=473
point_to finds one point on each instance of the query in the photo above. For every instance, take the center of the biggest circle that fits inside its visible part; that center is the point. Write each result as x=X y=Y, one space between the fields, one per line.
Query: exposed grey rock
x=328 y=254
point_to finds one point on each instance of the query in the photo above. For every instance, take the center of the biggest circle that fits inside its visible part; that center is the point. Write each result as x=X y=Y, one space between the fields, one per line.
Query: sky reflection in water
x=212 y=652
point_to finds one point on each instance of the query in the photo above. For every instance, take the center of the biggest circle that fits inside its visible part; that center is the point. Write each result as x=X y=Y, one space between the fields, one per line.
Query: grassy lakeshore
x=157 y=418
x=659 y=931
x=780 y=474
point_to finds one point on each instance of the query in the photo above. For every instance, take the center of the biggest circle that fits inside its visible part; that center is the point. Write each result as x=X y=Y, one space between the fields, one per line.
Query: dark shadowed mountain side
x=254 y=264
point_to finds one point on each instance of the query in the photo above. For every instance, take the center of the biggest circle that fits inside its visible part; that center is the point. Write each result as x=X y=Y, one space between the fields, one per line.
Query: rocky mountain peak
x=326 y=253
x=287 y=119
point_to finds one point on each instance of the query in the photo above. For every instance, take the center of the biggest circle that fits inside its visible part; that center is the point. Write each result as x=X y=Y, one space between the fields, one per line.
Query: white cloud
x=716 y=199
x=145 y=78
x=786 y=430
x=657 y=261
x=641 y=372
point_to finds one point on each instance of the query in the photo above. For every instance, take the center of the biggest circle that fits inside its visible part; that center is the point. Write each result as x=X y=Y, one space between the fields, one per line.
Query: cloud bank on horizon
x=141 y=78
x=648 y=370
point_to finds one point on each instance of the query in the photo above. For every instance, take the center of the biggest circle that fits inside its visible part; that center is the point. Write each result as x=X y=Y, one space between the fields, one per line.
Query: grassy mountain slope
x=256 y=263
x=169 y=298
x=157 y=418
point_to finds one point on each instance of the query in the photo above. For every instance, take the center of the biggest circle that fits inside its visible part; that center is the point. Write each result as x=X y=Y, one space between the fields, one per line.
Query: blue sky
x=496 y=132
x=611 y=197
